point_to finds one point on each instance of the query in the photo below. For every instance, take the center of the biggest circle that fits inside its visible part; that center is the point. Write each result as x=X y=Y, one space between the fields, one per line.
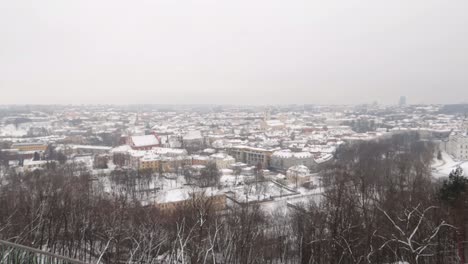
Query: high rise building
x=402 y=101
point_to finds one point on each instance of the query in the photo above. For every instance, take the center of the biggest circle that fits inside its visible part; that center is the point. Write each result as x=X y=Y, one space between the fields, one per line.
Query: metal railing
x=19 y=254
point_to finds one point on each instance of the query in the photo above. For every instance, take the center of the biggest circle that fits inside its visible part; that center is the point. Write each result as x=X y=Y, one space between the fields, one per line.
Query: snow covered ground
x=442 y=168
x=260 y=191
x=155 y=189
x=228 y=180
x=12 y=131
x=280 y=205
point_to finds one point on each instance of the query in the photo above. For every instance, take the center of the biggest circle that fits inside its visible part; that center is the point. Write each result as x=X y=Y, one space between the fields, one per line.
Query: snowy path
x=443 y=168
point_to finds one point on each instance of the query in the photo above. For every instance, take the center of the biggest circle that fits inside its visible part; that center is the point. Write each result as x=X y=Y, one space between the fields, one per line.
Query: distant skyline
x=239 y=52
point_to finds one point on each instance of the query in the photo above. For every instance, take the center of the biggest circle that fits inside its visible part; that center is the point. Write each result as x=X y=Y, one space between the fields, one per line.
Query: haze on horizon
x=233 y=52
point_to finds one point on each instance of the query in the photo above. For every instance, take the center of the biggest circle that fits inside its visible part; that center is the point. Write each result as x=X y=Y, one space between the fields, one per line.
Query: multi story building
x=457 y=145
x=31 y=165
x=163 y=163
x=284 y=159
x=150 y=162
x=193 y=140
x=200 y=160
x=222 y=160
x=251 y=155
x=272 y=125
x=36 y=147
x=86 y=149
x=402 y=101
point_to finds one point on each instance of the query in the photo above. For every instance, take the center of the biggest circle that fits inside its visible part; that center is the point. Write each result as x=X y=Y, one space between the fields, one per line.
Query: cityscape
x=275 y=158
x=233 y=132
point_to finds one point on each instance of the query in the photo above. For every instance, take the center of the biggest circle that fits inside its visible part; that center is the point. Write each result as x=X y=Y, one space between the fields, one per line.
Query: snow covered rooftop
x=221 y=156
x=274 y=122
x=324 y=158
x=91 y=147
x=299 y=169
x=144 y=141
x=193 y=134
x=288 y=154
x=173 y=151
x=181 y=194
x=123 y=148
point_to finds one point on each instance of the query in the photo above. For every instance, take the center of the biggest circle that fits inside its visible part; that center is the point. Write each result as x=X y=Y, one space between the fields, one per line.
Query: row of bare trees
x=380 y=205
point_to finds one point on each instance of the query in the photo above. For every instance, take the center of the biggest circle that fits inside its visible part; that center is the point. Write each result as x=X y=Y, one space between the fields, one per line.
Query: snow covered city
x=244 y=132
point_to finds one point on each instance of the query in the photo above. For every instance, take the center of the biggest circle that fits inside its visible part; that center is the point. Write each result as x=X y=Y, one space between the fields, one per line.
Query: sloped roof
x=143 y=141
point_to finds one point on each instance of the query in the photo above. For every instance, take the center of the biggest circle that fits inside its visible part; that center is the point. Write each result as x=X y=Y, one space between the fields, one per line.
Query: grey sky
x=233 y=51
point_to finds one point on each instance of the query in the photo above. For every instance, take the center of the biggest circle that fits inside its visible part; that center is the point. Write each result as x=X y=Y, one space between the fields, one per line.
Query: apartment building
x=284 y=159
x=251 y=155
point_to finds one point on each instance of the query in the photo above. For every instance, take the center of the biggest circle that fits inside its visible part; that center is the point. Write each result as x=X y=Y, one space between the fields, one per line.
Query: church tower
x=465 y=127
x=266 y=114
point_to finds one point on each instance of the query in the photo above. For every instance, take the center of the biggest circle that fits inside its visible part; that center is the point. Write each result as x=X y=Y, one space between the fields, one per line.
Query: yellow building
x=150 y=164
x=165 y=164
x=38 y=147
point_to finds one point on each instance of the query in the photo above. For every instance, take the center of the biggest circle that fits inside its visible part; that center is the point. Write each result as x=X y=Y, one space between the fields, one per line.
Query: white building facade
x=457 y=145
x=284 y=159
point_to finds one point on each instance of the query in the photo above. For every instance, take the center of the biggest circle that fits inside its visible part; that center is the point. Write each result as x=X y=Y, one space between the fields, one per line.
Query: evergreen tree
x=36 y=156
x=454 y=188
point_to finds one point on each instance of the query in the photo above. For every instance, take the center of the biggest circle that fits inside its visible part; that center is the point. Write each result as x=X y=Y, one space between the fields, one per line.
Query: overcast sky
x=233 y=51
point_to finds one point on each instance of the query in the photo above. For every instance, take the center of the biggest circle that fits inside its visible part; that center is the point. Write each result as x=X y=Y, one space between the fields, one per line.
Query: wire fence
x=12 y=253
